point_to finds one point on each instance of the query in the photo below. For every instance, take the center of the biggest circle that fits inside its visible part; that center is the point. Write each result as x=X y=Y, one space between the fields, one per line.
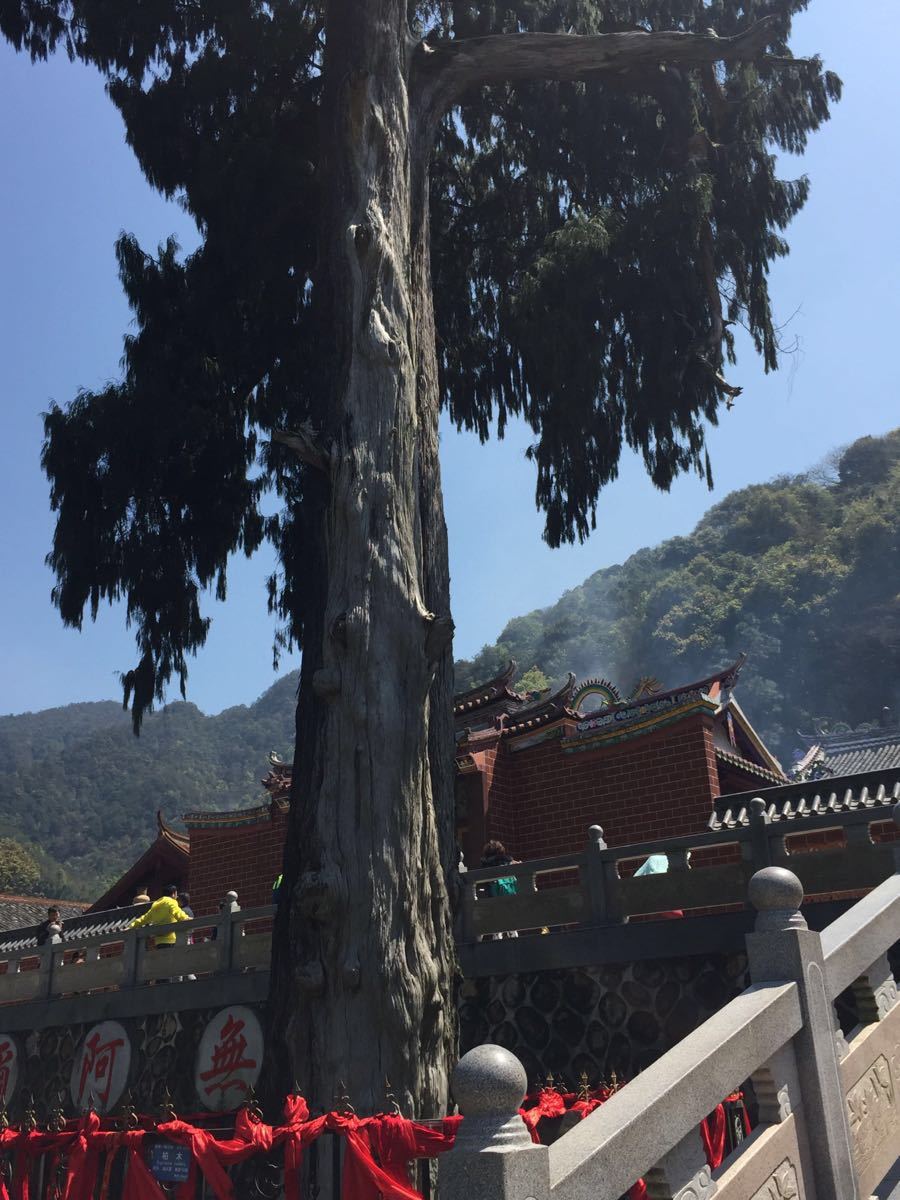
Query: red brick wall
x=245 y=859
x=542 y=801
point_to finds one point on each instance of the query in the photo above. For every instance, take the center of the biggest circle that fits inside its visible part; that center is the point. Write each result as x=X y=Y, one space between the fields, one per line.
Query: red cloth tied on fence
x=213 y=1156
x=295 y=1134
x=712 y=1134
x=548 y=1103
x=27 y=1146
x=380 y=1149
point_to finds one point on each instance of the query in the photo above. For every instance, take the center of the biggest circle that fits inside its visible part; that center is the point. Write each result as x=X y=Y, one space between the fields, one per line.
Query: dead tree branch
x=453 y=67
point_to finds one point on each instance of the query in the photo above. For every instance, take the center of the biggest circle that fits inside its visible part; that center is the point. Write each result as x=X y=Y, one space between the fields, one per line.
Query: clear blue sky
x=69 y=184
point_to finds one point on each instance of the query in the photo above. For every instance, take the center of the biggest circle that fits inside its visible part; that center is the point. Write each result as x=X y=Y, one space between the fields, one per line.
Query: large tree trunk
x=363 y=962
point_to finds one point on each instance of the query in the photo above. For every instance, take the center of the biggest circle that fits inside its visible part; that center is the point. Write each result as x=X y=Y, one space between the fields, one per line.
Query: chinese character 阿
x=97 y=1068
x=6 y=1057
x=228 y=1058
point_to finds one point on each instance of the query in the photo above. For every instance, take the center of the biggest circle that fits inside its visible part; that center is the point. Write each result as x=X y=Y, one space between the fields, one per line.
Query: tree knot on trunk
x=362 y=238
x=438 y=636
x=339 y=629
x=311 y=978
x=326 y=682
x=315 y=897
x=351 y=973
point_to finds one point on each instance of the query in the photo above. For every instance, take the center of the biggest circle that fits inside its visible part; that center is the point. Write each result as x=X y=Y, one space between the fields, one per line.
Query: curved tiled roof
x=794 y=801
x=542 y=712
x=744 y=764
x=489 y=692
x=850 y=753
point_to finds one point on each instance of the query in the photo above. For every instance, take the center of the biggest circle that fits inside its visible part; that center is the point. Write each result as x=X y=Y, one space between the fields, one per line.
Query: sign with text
x=169 y=1163
x=101 y=1066
x=9 y=1068
x=229 y=1058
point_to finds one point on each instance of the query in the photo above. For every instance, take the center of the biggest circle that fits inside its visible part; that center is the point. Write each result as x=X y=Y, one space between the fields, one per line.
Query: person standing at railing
x=51 y=929
x=495 y=854
x=164 y=911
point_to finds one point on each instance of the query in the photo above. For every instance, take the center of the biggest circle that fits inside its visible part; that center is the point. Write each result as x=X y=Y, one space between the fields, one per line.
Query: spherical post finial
x=595 y=835
x=489 y=1081
x=777 y=894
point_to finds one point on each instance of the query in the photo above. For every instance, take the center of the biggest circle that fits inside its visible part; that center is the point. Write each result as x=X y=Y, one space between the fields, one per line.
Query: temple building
x=837 y=749
x=534 y=771
x=537 y=773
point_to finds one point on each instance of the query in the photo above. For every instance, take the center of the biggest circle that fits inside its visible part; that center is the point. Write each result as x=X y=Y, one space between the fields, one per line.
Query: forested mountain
x=80 y=792
x=803 y=573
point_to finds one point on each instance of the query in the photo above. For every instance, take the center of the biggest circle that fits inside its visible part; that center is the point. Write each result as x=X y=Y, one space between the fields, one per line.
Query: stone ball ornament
x=777 y=894
x=489 y=1080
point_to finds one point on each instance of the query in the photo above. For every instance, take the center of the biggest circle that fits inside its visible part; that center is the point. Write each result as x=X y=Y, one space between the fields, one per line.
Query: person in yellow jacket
x=164 y=911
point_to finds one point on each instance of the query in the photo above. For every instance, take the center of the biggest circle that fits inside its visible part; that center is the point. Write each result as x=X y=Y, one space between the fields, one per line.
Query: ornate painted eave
x=709 y=688
x=622 y=724
x=228 y=820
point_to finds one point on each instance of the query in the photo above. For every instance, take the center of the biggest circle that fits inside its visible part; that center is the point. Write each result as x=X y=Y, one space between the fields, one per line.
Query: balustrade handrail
x=826 y=1122
x=856 y=939
x=641 y=1122
x=600 y=895
x=129 y=967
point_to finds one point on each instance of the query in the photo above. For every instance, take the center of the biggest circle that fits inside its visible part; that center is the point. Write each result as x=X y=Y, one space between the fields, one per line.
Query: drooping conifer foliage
x=593 y=244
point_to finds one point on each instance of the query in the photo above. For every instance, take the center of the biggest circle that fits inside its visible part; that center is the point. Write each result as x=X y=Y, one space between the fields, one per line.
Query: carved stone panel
x=872 y=1112
x=781 y=1185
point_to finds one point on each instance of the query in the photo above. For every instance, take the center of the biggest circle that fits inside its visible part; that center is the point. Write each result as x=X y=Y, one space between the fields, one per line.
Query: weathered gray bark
x=363 y=987
x=363 y=970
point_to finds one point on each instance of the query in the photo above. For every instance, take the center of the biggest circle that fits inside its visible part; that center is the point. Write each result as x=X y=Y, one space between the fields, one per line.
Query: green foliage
x=590 y=242
x=802 y=573
x=84 y=793
x=533 y=682
x=20 y=872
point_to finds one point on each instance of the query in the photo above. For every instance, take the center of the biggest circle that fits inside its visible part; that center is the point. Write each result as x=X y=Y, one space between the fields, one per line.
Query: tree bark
x=364 y=963
x=363 y=972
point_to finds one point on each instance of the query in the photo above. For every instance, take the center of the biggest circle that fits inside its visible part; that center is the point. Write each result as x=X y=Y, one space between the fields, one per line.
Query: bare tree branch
x=451 y=67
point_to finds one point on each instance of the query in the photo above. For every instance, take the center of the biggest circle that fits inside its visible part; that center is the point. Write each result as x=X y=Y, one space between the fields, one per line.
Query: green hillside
x=80 y=792
x=803 y=573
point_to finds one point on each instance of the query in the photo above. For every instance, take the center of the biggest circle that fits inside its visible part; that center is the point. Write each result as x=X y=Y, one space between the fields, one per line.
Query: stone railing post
x=594 y=879
x=760 y=850
x=225 y=929
x=493 y=1157
x=782 y=947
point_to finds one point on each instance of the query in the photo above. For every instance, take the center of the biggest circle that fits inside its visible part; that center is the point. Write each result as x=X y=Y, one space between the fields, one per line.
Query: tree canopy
x=594 y=242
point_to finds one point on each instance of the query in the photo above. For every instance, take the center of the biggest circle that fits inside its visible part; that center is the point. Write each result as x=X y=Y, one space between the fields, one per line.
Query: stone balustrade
x=235 y=941
x=829 y=1107
x=590 y=889
x=590 y=892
